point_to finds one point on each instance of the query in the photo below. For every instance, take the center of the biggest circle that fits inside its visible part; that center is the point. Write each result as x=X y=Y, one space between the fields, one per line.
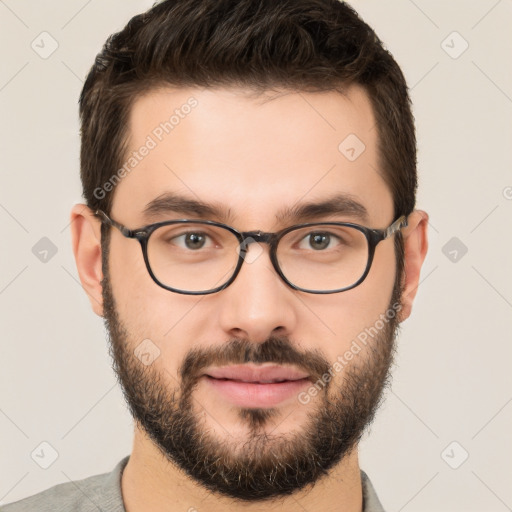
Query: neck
x=151 y=482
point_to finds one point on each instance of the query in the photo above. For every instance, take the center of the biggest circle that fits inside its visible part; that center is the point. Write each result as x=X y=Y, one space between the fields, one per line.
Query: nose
x=258 y=303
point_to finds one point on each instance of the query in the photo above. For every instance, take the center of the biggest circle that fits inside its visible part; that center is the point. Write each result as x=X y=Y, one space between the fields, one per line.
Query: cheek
x=372 y=297
x=341 y=318
x=130 y=281
x=148 y=312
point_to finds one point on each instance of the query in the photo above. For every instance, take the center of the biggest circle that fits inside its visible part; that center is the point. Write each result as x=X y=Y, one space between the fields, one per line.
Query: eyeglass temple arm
x=107 y=220
x=399 y=223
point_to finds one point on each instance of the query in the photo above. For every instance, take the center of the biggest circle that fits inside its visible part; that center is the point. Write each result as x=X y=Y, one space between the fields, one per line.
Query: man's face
x=252 y=160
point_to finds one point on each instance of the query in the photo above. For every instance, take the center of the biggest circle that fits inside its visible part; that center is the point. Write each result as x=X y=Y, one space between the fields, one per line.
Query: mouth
x=252 y=386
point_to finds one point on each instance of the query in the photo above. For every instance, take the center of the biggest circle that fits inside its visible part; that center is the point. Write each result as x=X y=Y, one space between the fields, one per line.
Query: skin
x=253 y=158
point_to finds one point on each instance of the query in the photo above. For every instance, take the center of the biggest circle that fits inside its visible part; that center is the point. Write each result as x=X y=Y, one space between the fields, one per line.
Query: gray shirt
x=102 y=493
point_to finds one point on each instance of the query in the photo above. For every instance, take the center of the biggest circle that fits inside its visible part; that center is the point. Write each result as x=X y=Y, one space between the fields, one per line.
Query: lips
x=256 y=374
x=255 y=385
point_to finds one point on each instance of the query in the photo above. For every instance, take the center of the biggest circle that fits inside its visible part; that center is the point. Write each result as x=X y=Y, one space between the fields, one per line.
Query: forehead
x=251 y=155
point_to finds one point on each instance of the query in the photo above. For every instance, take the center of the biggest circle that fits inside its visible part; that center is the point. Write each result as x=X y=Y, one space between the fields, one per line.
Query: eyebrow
x=169 y=202
x=338 y=205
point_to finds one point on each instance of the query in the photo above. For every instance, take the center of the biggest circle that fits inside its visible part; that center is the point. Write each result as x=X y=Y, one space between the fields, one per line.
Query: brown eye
x=194 y=240
x=319 y=241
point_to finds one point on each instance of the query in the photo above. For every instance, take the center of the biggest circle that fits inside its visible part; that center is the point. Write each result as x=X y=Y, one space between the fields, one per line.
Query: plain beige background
x=451 y=394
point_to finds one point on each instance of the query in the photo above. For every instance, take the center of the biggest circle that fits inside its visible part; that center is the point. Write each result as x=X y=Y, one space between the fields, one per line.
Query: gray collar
x=371 y=502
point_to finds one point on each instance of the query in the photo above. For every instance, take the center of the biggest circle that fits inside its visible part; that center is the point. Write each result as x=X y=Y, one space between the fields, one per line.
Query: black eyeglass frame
x=245 y=238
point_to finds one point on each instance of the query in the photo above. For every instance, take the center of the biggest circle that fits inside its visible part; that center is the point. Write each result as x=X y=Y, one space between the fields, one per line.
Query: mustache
x=275 y=349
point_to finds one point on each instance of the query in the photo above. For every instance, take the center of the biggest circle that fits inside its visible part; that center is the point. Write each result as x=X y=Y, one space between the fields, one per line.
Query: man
x=250 y=238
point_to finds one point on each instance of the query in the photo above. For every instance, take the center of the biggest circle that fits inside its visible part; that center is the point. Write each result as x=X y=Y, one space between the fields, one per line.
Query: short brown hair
x=303 y=45
x=297 y=45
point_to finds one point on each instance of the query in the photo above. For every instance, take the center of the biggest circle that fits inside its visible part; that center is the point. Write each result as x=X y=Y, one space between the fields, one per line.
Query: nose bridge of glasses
x=250 y=237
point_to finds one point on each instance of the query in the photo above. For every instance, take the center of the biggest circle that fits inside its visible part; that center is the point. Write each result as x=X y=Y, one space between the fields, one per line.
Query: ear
x=415 y=250
x=86 y=241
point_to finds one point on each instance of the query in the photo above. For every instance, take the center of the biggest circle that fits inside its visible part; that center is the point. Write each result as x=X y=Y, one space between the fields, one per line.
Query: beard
x=262 y=465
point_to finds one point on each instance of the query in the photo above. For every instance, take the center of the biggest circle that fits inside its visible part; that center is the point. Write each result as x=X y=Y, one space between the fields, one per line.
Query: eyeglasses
x=199 y=257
